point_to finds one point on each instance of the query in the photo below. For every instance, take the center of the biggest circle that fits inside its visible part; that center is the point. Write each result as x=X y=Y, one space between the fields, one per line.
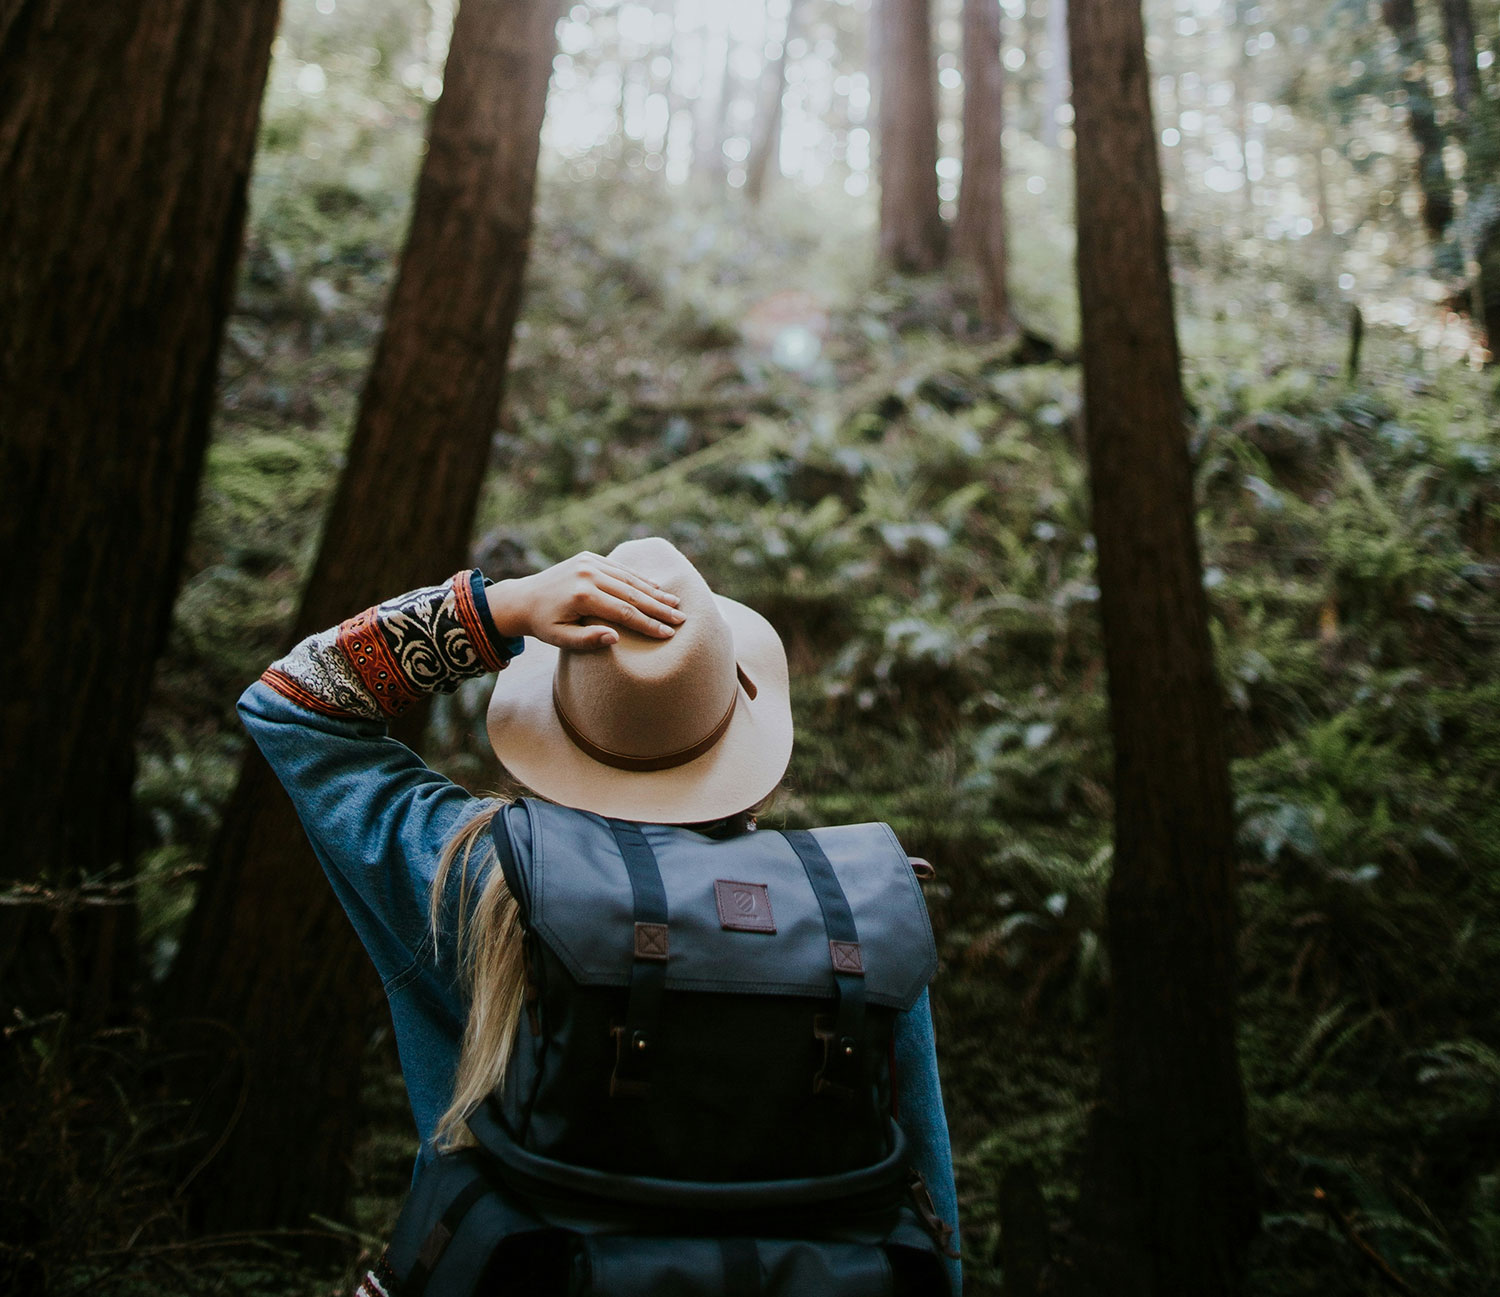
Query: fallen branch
x=1346 y=1228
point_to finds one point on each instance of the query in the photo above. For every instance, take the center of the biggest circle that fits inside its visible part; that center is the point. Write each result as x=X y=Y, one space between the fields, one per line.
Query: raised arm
x=377 y=817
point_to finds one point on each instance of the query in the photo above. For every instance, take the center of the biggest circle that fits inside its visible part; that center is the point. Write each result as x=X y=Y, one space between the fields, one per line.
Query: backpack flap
x=743 y=915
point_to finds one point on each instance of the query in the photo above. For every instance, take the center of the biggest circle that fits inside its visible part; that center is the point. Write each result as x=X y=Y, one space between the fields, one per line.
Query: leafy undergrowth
x=907 y=502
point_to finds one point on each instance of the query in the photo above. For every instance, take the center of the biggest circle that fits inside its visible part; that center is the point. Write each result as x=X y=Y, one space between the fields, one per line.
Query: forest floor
x=906 y=500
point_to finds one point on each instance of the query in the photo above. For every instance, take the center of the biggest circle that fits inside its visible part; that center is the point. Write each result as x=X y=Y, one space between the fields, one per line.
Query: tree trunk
x=913 y=238
x=979 y=230
x=767 y=143
x=1057 y=69
x=710 y=126
x=1241 y=82
x=1488 y=286
x=1167 y=1204
x=268 y=950
x=126 y=136
x=1478 y=130
x=1437 y=192
x=1458 y=32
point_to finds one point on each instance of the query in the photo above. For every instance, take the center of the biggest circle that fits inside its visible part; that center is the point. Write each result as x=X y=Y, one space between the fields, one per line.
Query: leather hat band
x=622 y=761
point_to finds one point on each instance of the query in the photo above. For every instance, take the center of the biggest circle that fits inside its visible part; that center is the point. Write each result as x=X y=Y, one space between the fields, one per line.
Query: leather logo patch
x=743 y=907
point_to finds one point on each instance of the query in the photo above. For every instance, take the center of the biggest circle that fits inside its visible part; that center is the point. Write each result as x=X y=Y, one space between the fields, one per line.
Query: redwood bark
x=1437 y=190
x=126 y=137
x=1168 y=1202
x=913 y=237
x=268 y=949
x=979 y=230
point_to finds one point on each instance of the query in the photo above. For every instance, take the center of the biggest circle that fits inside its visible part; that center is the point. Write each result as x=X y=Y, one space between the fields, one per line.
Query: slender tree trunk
x=268 y=950
x=1242 y=95
x=912 y=235
x=1458 y=32
x=1326 y=241
x=126 y=136
x=766 y=146
x=1168 y=1200
x=979 y=230
x=1057 y=69
x=1437 y=191
x=1478 y=127
x=711 y=127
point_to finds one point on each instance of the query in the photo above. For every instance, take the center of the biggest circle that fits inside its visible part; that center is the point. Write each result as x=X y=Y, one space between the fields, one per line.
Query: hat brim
x=740 y=769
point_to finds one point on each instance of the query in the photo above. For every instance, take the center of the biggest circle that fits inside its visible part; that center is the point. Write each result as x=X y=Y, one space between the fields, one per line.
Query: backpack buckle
x=632 y=1049
x=840 y=1060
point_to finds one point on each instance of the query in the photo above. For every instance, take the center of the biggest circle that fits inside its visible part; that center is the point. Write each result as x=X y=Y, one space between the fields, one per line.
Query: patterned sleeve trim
x=379 y=662
x=379 y=1281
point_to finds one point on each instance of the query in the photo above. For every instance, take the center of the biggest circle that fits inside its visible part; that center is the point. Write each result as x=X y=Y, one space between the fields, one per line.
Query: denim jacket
x=378 y=818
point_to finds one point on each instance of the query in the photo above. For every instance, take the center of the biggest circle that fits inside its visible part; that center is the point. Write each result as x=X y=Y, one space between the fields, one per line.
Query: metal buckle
x=621 y=1084
x=840 y=1054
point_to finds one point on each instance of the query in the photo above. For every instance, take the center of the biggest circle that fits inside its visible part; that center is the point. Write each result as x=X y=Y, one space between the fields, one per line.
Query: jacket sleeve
x=924 y=1121
x=376 y=816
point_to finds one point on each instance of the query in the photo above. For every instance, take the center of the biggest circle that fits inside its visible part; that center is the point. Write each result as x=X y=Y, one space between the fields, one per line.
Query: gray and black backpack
x=700 y=1101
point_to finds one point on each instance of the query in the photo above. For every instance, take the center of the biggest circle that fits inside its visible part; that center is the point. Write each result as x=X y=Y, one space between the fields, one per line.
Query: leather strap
x=843 y=1057
x=635 y=1040
x=623 y=760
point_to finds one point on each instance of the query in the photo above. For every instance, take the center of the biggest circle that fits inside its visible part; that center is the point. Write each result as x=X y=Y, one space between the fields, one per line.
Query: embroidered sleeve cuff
x=380 y=662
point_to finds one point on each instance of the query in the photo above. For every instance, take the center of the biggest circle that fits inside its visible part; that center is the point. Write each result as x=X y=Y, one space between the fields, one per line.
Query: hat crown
x=646 y=699
x=664 y=731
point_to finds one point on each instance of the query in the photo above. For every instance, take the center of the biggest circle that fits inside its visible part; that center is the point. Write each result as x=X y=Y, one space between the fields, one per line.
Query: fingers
x=584 y=637
x=621 y=612
x=623 y=574
x=648 y=602
x=591 y=589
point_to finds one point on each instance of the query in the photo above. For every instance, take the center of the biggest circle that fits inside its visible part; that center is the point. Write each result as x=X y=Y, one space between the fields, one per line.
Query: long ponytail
x=488 y=952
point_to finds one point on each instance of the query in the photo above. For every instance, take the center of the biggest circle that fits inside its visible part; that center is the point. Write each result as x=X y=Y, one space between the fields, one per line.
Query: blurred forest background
x=799 y=294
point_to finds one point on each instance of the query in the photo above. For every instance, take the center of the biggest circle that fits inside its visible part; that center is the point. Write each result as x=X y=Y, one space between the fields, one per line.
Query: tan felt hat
x=674 y=731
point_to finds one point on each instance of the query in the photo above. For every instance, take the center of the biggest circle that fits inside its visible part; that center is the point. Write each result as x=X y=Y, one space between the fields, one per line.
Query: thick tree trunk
x=1168 y=1200
x=268 y=951
x=1437 y=191
x=1057 y=69
x=912 y=235
x=767 y=143
x=979 y=230
x=126 y=136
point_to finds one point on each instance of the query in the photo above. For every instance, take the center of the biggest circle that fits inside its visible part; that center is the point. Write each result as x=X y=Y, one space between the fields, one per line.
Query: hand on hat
x=576 y=604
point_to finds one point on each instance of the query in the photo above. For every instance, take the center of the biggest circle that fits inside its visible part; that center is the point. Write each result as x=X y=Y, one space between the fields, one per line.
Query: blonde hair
x=489 y=957
x=491 y=961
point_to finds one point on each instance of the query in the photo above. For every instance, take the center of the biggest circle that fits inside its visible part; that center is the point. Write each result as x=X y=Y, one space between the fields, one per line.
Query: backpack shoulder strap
x=635 y=1041
x=842 y=1055
x=451 y=1226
